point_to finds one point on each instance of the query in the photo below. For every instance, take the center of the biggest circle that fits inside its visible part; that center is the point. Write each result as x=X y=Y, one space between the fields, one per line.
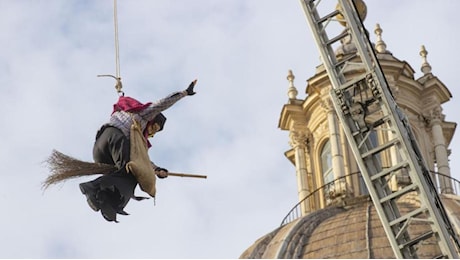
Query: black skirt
x=110 y=193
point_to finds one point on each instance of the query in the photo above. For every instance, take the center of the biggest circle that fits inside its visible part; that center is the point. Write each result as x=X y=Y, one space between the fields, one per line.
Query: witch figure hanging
x=120 y=155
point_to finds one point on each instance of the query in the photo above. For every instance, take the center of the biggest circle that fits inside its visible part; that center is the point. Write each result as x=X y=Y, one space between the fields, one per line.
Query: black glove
x=158 y=169
x=189 y=90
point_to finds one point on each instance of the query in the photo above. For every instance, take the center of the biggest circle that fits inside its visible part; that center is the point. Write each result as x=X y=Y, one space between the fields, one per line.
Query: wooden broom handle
x=187 y=175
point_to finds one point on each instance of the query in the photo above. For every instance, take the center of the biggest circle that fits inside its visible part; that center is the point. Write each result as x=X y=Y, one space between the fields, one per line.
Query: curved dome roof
x=344 y=232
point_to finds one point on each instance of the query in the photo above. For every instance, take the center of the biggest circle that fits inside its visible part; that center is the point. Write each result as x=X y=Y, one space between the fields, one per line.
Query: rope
x=117 y=77
x=117 y=49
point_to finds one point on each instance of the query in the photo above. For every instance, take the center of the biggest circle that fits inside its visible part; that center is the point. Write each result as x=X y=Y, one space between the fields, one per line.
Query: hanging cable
x=117 y=49
x=117 y=76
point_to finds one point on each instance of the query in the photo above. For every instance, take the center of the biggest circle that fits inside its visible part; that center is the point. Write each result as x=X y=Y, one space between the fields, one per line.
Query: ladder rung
x=389 y=170
x=345 y=59
x=408 y=216
x=351 y=82
x=380 y=148
x=398 y=193
x=417 y=239
x=327 y=17
x=337 y=38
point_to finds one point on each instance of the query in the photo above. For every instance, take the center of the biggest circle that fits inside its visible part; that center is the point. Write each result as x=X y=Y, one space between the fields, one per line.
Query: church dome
x=351 y=231
x=335 y=217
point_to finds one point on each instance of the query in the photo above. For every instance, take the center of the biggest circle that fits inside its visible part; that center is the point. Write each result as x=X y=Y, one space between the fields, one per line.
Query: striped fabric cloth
x=127 y=109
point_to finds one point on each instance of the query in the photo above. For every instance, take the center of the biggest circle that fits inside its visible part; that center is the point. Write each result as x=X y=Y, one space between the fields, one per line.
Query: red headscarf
x=129 y=104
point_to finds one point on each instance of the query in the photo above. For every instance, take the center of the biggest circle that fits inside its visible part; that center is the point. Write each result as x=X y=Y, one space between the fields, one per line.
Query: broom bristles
x=64 y=167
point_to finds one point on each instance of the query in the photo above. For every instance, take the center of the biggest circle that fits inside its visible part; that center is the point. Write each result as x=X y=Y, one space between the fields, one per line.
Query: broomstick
x=64 y=167
x=187 y=175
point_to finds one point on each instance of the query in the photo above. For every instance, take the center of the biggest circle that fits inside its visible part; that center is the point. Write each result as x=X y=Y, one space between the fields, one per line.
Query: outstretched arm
x=157 y=107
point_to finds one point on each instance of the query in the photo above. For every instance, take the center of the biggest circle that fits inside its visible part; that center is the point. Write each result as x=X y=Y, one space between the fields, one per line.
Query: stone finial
x=426 y=67
x=361 y=7
x=380 y=45
x=292 y=91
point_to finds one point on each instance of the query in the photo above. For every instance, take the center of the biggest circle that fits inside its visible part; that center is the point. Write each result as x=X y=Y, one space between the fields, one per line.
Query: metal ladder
x=365 y=107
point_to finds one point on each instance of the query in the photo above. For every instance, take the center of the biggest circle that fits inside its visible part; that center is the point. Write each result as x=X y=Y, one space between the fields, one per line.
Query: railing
x=329 y=191
x=454 y=189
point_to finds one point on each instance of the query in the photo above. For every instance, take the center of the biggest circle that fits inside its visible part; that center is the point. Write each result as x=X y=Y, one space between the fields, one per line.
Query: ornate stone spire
x=426 y=67
x=380 y=45
x=292 y=91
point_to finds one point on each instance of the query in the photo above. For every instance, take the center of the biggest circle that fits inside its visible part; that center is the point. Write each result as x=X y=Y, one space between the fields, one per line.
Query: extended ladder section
x=376 y=128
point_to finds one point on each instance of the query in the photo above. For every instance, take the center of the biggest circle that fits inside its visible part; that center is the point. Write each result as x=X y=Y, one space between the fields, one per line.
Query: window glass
x=326 y=163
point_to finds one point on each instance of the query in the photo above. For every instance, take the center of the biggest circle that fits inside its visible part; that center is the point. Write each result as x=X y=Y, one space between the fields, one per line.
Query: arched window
x=326 y=163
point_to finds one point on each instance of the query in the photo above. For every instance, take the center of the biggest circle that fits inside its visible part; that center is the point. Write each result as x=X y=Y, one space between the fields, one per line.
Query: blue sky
x=240 y=51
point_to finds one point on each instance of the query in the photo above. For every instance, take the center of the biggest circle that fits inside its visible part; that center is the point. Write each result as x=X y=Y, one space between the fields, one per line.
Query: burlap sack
x=140 y=165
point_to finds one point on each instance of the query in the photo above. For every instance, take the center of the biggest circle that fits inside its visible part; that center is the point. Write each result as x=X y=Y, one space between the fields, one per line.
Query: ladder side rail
x=432 y=195
x=426 y=193
x=337 y=79
x=367 y=168
x=312 y=17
